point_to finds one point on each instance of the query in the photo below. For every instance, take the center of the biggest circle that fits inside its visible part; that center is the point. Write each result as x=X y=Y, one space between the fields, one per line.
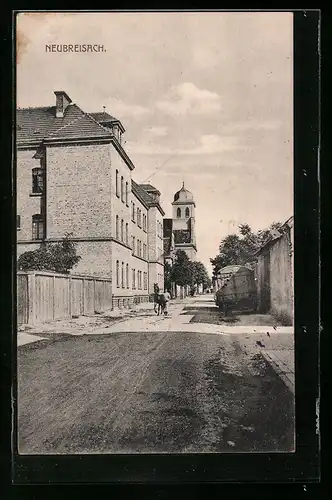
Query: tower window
x=127 y=194
x=178 y=212
x=187 y=212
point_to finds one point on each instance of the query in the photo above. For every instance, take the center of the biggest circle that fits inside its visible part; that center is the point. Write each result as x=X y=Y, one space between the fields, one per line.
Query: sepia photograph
x=154 y=161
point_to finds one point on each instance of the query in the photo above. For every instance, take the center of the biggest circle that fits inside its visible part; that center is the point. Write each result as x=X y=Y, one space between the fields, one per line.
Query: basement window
x=18 y=222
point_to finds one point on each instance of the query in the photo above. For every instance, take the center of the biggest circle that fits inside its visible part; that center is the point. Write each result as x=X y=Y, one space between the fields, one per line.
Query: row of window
x=122 y=277
x=121 y=188
x=179 y=212
x=137 y=216
x=121 y=230
x=139 y=283
x=139 y=248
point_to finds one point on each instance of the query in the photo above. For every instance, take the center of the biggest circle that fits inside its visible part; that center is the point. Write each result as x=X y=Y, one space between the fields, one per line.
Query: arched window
x=127 y=241
x=187 y=212
x=122 y=275
x=121 y=229
x=127 y=194
x=178 y=212
x=127 y=275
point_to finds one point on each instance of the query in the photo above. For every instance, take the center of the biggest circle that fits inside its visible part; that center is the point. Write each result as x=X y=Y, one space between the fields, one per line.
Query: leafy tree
x=167 y=276
x=240 y=249
x=181 y=273
x=200 y=275
x=59 y=257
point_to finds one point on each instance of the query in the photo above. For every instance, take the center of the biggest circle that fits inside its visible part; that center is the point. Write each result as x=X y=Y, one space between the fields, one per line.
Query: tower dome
x=183 y=196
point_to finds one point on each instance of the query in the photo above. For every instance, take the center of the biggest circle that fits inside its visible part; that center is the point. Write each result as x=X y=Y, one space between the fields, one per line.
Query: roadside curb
x=286 y=375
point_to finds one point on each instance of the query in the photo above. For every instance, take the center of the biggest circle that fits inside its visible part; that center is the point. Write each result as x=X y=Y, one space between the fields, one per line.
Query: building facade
x=275 y=274
x=74 y=176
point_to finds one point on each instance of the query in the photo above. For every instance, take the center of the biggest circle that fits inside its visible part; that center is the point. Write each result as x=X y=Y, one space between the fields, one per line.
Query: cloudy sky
x=206 y=98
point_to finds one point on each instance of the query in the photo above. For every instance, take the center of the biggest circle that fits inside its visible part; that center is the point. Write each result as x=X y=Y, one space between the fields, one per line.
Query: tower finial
x=182 y=184
x=104 y=109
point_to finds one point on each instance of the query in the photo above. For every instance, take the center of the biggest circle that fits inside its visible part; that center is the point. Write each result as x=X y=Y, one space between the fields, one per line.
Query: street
x=154 y=385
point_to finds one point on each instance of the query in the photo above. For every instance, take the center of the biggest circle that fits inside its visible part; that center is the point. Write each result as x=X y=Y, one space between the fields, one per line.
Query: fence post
x=31 y=299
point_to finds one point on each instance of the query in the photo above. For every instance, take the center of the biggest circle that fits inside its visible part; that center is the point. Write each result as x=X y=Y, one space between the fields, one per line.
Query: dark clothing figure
x=156 y=295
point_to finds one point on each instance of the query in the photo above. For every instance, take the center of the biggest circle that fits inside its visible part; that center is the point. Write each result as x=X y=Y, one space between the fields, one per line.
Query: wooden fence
x=44 y=296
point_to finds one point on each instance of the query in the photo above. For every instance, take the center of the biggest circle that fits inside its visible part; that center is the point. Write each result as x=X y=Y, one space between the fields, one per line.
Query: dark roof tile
x=37 y=124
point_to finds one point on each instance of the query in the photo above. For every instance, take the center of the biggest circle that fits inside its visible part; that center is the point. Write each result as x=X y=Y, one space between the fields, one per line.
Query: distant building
x=74 y=176
x=179 y=231
x=275 y=274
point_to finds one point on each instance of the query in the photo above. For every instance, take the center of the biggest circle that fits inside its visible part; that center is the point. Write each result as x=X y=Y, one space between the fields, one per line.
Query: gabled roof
x=103 y=118
x=38 y=124
x=142 y=195
x=148 y=187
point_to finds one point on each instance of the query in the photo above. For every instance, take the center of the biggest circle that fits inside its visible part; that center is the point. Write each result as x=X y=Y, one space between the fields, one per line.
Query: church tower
x=183 y=222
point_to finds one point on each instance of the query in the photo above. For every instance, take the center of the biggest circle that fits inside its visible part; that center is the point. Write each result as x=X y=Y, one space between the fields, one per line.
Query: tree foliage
x=58 y=257
x=199 y=275
x=239 y=249
x=186 y=272
x=167 y=276
x=181 y=269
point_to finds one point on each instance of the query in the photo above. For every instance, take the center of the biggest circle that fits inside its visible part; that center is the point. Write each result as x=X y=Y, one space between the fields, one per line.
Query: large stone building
x=74 y=176
x=179 y=231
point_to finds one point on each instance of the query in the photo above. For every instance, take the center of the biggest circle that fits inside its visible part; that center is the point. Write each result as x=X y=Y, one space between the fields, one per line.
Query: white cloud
x=209 y=144
x=120 y=109
x=186 y=98
x=252 y=125
x=156 y=131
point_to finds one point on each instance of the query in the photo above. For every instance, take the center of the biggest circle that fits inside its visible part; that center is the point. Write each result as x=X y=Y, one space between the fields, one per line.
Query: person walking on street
x=156 y=296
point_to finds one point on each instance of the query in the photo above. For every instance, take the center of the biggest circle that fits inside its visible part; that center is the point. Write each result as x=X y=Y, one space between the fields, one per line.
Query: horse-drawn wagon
x=236 y=289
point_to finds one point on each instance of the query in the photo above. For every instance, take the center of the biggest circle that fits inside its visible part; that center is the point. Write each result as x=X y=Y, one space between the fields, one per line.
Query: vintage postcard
x=155 y=240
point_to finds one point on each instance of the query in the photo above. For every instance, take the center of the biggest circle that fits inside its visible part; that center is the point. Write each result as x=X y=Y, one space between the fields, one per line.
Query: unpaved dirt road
x=150 y=392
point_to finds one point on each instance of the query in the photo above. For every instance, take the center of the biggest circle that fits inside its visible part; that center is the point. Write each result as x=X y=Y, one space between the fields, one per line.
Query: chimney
x=62 y=102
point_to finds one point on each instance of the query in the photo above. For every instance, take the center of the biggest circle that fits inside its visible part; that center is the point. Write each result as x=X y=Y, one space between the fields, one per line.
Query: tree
x=167 y=276
x=58 y=257
x=200 y=275
x=240 y=249
x=181 y=270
